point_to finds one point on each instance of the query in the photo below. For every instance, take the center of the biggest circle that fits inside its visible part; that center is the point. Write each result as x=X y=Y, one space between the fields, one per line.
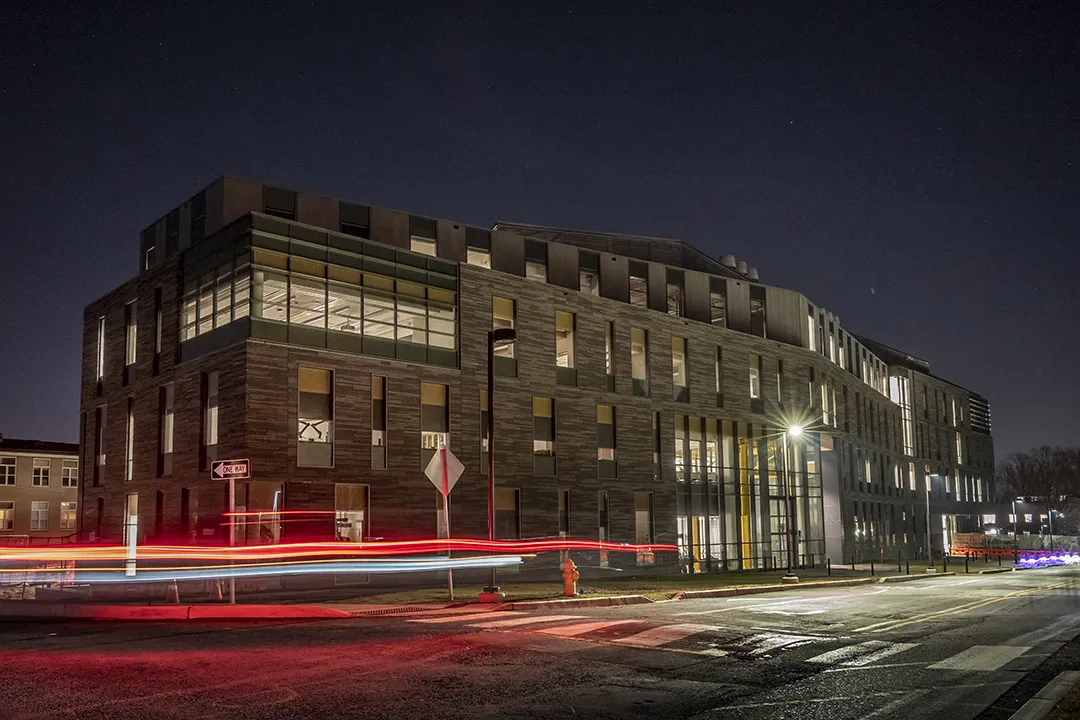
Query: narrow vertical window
x=99 y=444
x=41 y=472
x=718 y=302
x=565 y=374
x=780 y=381
x=639 y=361
x=157 y=331
x=503 y=312
x=681 y=391
x=378 y=422
x=674 y=293
x=507 y=520
x=758 y=314
x=209 y=434
x=639 y=284
x=609 y=354
x=754 y=365
x=656 y=445
x=166 y=397
x=564 y=513
x=101 y=349
x=131 y=333
x=478 y=247
x=434 y=419
x=589 y=273
x=315 y=417
x=643 y=523
x=483 y=430
x=718 y=372
x=544 y=436
x=605 y=441
x=602 y=517
x=129 y=451
x=536 y=260
x=811 y=329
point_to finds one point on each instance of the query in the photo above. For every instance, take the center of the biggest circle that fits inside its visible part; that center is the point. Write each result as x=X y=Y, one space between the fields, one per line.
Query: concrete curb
x=758 y=589
x=1047 y=699
x=577 y=602
x=995 y=571
x=23 y=611
x=906 y=578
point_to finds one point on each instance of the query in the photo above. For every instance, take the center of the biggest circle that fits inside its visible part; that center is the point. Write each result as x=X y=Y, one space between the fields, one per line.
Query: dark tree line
x=1048 y=477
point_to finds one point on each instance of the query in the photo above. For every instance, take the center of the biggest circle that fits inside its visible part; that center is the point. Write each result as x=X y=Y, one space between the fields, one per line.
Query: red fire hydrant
x=570 y=577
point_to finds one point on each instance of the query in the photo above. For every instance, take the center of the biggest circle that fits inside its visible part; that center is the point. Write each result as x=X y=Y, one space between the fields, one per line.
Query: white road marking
x=985 y=658
x=460 y=618
x=890 y=706
x=765 y=604
x=582 y=628
x=864 y=653
x=663 y=635
x=767 y=642
x=525 y=621
x=873 y=667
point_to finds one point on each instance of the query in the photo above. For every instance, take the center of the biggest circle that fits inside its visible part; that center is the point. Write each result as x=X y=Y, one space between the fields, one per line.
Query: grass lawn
x=654 y=588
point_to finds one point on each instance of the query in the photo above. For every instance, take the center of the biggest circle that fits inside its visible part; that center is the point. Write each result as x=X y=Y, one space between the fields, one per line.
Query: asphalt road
x=946 y=648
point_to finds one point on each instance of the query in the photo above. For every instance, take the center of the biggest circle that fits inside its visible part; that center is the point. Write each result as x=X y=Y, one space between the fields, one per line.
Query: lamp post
x=794 y=431
x=498 y=336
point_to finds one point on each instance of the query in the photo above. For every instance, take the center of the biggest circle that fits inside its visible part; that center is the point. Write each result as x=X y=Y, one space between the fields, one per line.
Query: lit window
x=639 y=360
x=1027 y=517
x=378 y=422
x=39 y=515
x=478 y=257
x=718 y=303
x=131 y=333
x=41 y=472
x=434 y=419
x=315 y=418
x=678 y=369
x=69 y=474
x=564 y=339
x=68 y=514
x=589 y=282
x=7 y=470
x=424 y=246
x=101 y=348
x=609 y=349
x=639 y=285
x=502 y=316
x=674 y=300
x=7 y=515
x=755 y=376
x=129 y=449
x=535 y=270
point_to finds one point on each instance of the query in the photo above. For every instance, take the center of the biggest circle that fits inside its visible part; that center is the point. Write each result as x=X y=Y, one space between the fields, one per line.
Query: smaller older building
x=39 y=491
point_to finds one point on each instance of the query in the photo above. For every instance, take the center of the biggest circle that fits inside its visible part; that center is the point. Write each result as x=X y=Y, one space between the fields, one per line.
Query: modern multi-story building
x=648 y=396
x=39 y=491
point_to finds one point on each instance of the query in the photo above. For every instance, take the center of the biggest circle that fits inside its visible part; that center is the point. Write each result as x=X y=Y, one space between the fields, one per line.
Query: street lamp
x=794 y=431
x=498 y=336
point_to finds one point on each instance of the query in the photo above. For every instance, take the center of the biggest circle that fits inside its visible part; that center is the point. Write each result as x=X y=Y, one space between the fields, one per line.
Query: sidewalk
x=314 y=604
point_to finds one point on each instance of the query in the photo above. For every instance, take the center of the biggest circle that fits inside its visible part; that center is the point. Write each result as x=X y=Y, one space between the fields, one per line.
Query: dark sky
x=913 y=168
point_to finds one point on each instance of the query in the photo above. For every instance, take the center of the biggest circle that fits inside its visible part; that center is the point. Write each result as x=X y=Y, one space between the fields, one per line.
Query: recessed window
x=639 y=361
x=609 y=354
x=434 y=419
x=589 y=273
x=674 y=293
x=678 y=369
x=757 y=311
x=503 y=316
x=7 y=515
x=718 y=372
x=101 y=349
x=378 y=422
x=755 y=376
x=480 y=258
x=718 y=302
x=478 y=247
x=564 y=339
x=424 y=246
x=209 y=435
x=507 y=518
x=605 y=441
x=544 y=436
x=41 y=472
x=639 y=284
x=315 y=417
x=129 y=449
x=564 y=513
x=536 y=260
x=131 y=333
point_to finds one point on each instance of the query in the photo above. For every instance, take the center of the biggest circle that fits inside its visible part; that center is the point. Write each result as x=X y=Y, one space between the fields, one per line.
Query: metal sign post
x=443 y=470
x=231 y=470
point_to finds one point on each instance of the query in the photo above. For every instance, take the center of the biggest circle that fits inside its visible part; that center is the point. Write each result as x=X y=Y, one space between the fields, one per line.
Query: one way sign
x=230 y=470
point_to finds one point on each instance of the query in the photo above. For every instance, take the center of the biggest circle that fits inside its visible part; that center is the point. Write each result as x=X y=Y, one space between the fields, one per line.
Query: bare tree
x=1048 y=477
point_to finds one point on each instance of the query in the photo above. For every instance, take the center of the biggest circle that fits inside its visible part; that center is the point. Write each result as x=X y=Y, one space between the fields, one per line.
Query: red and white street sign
x=230 y=470
x=434 y=470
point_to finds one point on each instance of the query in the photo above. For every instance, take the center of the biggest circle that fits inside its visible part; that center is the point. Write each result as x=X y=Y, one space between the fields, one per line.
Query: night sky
x=913 y=168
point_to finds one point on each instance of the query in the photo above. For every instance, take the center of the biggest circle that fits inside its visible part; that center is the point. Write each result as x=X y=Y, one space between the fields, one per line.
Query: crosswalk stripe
x=864 y=653
x=582 y=628
x=459 y=618
x=981 y=657
x=663 y=635
x=524 y=621
x=767 y=642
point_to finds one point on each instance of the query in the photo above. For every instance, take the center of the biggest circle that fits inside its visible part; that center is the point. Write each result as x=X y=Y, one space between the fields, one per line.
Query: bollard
x=828 y=566
x=871 y=568
x=999 y=559
x=1016 y=557
x=172 y=593
x=986 y=559
x=852 y=563
x=965 y=563
x=907 y=567
x=899 y=564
